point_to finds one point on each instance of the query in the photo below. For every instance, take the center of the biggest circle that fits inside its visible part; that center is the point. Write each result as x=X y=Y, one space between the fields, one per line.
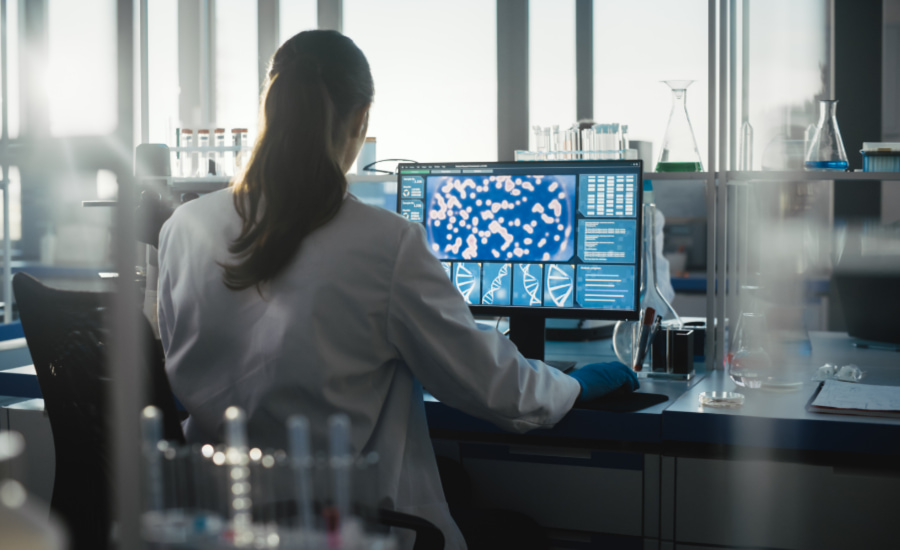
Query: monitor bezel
x=554 y=312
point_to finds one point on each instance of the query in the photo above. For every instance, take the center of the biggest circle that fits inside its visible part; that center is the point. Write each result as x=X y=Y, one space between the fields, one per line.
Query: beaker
x=625 y=332
x=826 y=151
x=679 y=148
x=751 y=365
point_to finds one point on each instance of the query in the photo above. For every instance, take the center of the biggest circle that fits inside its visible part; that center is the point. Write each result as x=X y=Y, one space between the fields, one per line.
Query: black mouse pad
x=623 y=402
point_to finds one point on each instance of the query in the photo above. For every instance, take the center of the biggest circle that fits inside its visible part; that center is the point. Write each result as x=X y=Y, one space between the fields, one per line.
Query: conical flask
x=826 y=151
x=679 y=148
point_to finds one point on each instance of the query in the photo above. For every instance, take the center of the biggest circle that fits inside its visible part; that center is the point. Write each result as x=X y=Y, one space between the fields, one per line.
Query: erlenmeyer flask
x=826 y=152
x=625 y=333
x=679 y=148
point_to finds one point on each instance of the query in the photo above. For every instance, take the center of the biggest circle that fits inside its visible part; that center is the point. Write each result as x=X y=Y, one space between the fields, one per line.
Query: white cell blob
x=435 y=247
x=527 y=241
x=528 y=228
x=561 y=227
x=478 y=202
x=546 y=257
x=556 y=238
x=518 y=222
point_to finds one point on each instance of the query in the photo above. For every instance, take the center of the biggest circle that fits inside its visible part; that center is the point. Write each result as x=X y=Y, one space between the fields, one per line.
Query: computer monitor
x=533 y=240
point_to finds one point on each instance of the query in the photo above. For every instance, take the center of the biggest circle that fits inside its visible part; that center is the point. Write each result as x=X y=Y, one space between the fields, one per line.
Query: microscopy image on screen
x=467 y=278
x=501 y=218
x=559 y=285
x=447 y=269
x=496 y=284
x=527 y=286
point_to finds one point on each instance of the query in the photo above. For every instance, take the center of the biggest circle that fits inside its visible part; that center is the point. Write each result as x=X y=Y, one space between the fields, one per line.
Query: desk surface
x=766 y=420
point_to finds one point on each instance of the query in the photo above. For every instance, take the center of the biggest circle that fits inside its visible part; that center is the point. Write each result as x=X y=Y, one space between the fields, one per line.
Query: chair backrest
x=67 y=334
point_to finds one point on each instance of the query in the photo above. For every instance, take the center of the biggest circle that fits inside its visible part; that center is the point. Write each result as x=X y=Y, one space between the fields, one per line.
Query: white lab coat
x=357 y=322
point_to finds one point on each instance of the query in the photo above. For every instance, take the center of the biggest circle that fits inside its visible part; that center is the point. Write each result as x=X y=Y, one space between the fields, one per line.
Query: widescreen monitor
x=533 y=240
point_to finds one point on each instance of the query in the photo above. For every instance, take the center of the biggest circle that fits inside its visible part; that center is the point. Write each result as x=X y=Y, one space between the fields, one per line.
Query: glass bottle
x=201 y=158
x=679 y=148
x=826 y=152
x=239 y=140
x=219 y=156
x=626 y=331
x=187 y=159
x=750 y=366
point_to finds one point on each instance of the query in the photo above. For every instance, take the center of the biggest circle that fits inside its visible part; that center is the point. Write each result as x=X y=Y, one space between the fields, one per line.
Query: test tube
x=187 y=161
x=151 y=432
x=202 y=157
x=237 y=459
x=301 y=463
x=219 y=156
x=239 y=140
x=340 y=461
x=555 y=145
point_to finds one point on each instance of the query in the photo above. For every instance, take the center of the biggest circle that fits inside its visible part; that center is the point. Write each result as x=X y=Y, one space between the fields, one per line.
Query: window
x=636 y=45
x=15 y=203
x=788 y=70
x=12 y=57
x=435 y=70
x=551 y=63
x=236 y=66
x=295 y=16
x=162 y=23
x=80 y=81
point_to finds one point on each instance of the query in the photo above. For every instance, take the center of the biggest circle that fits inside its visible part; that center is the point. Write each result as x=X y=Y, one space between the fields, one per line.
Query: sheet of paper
x=866 y=397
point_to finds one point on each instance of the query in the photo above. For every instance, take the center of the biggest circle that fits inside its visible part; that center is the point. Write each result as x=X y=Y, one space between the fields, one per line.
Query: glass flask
x=626 y=331
x=750 y=365
x=826 y=151
x=679 y=148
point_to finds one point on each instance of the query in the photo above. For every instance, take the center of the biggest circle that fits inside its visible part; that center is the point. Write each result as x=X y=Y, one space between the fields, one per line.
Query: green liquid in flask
x=679 y=167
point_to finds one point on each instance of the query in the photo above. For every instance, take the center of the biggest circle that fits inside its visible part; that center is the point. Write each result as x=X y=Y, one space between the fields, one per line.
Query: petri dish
x=722 y=399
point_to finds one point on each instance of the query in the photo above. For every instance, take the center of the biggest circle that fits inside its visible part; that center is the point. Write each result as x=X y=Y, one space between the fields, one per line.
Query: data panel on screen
x=561 y=236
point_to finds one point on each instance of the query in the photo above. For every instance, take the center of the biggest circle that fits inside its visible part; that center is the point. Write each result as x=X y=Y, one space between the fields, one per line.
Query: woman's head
x=313 y=120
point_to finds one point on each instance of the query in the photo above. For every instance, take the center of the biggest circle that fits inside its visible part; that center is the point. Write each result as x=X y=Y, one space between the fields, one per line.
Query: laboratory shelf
x=366 y=178
x=801 y=175
x=205 y=184
x=676 y=176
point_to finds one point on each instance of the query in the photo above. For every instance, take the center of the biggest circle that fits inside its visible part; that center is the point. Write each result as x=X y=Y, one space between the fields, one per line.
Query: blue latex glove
x=599 y=379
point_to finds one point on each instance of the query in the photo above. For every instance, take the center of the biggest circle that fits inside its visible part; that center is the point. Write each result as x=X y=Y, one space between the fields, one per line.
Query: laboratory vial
x=202 y=157
x=219 y=137
x=187 y=159
x=242 y=152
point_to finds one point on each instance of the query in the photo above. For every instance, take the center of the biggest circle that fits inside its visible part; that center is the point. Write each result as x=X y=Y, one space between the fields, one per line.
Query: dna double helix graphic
x=532 y=284
x=446 y=266
x=465 y=281
x=496 y=285
x=559 y=285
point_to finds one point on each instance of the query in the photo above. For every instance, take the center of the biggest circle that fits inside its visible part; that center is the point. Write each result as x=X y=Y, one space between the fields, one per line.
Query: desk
x=675 y=475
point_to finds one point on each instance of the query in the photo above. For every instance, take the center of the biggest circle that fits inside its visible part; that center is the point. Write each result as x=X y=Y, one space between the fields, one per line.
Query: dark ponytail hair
x=294 y=182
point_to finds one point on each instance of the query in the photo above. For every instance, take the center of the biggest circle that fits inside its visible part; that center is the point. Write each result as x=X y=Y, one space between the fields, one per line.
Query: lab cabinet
x=771 y=504
x=570 y=489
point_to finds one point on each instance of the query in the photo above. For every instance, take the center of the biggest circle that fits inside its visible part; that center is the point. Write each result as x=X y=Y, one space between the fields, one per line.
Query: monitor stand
x=528 y=334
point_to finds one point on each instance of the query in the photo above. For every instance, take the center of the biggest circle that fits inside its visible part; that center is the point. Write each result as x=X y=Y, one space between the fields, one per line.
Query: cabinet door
x=757 y=503
x=571 y=489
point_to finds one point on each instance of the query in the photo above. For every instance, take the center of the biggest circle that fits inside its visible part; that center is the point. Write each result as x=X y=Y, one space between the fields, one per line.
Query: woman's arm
x=474 y=369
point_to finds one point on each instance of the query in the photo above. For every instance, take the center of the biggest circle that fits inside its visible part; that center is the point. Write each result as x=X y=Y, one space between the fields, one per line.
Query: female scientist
x=286 y=295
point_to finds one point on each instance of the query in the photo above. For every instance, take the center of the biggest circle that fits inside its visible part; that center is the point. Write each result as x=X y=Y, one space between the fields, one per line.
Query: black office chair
x=67 y=335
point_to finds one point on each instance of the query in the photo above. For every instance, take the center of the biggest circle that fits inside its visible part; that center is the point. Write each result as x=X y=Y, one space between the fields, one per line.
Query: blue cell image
x=496 y=284
x=607 y=241
x=527 y=286
x=559 y=285
x=501 y=218
x=467 y=279
x=606 y=286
